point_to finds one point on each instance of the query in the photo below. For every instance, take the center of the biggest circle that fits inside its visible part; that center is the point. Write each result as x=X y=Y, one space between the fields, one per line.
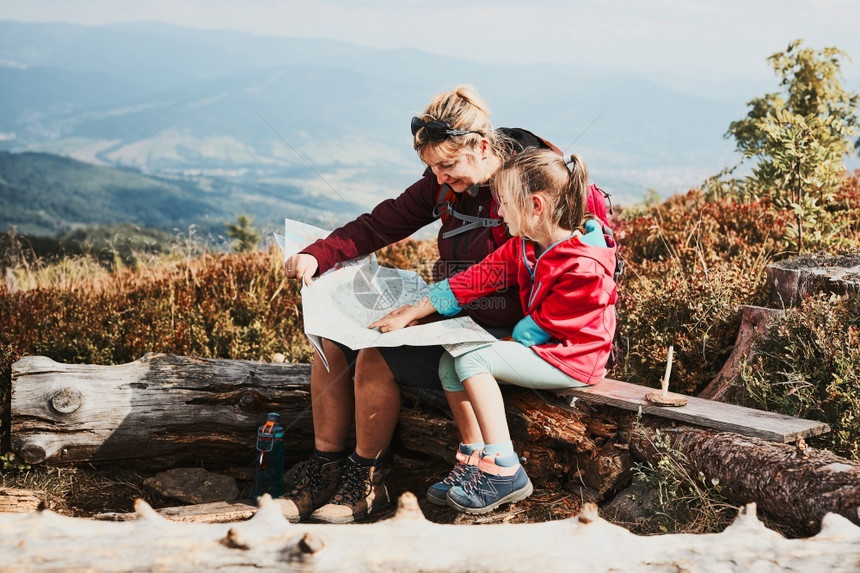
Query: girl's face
x=511 y=212
x=459 y=170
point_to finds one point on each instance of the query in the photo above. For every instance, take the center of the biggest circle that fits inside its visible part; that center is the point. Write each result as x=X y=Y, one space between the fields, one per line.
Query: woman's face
x=460 y=170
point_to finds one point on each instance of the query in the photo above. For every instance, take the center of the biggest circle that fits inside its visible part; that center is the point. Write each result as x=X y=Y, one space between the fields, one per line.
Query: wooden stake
x=663 y=398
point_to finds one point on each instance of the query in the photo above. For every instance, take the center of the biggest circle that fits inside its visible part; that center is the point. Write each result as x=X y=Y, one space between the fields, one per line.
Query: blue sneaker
x=467 y=466
x=491 y=487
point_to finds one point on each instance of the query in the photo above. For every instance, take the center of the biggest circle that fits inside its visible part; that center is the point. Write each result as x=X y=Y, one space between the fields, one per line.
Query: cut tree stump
x=726 y=387
x=408 y=542
x=792 y=279
x=795 y=484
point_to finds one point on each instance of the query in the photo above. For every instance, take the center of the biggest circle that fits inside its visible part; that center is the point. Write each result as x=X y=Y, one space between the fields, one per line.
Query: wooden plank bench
x=768 y=426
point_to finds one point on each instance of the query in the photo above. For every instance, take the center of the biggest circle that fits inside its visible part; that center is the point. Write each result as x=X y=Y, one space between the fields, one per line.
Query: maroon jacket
x=396 y=219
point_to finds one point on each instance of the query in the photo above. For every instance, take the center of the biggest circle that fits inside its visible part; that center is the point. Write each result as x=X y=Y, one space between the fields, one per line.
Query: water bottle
x=269 y=470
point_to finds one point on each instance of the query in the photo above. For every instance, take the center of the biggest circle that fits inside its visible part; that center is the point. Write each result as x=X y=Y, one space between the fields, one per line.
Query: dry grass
x=80 y=491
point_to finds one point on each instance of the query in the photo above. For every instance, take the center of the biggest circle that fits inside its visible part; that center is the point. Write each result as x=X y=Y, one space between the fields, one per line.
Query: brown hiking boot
x=315 y=485
x=359 y=493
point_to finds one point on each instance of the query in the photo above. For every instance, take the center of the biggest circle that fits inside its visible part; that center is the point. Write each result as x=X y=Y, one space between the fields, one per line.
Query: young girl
x=563 y=265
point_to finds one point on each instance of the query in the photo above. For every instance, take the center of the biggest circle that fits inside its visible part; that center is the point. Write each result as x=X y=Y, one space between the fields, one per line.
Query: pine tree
x=245 y=236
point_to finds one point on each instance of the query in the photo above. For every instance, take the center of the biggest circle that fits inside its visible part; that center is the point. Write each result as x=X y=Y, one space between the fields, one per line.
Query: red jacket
x=568 y=292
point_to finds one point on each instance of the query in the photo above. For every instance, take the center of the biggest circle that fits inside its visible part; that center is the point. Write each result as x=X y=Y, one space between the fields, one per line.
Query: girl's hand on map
x=302 y=267
x=406 y=315
x=396 y=319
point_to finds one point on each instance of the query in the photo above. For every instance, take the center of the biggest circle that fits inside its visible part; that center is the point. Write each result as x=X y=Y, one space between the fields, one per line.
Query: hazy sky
x=690 y=38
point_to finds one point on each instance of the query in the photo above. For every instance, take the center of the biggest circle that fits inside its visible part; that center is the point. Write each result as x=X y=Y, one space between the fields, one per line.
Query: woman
x=455 y=139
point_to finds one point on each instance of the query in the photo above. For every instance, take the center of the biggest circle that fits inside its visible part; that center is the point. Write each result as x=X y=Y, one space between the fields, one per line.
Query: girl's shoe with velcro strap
x=466 y=468
x=492 y=486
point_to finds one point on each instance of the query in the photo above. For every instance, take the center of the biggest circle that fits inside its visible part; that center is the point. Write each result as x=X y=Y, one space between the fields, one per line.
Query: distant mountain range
x=48 y=195
x=219 y=122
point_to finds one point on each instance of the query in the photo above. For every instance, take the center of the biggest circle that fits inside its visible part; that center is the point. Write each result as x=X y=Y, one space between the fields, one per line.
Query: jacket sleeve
x=443 y=300
x=528 y=333
x=388 y=222
x=497 y=271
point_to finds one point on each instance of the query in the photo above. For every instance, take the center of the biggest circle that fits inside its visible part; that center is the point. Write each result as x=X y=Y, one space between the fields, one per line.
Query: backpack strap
x=444 y=202
x=445 y=209
x=471 y=223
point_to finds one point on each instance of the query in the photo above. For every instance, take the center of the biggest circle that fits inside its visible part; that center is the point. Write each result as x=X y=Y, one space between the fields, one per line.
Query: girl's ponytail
x=563 y=182
x=571 y=206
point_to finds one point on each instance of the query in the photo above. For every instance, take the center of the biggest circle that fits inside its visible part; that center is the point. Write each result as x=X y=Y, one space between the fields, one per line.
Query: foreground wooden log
x=408 y=542
x=795 y=484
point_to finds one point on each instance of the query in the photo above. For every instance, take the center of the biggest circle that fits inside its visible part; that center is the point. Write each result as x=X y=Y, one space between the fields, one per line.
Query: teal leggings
x=509 y=362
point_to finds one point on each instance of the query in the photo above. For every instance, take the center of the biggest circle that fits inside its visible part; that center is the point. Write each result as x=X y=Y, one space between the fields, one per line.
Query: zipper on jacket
x=533 y=270
x=533 y=294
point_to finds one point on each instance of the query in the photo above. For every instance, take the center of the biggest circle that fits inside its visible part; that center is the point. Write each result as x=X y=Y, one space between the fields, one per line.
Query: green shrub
x=808 y=365
x=799 y=137
x=689 y=502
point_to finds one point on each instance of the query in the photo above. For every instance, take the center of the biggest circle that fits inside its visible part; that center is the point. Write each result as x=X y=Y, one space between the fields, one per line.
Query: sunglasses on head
x=437 y=130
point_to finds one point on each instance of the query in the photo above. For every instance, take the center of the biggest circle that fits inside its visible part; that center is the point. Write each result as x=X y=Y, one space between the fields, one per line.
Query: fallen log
x=163 y=410
x=46 y=541
x=795 y=484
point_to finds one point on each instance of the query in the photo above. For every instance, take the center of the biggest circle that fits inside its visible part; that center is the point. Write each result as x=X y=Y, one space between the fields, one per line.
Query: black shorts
x=412 y=366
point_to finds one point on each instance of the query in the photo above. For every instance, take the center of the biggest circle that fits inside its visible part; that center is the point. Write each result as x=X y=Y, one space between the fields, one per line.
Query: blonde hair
x=563 y=182
x=462 y=109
